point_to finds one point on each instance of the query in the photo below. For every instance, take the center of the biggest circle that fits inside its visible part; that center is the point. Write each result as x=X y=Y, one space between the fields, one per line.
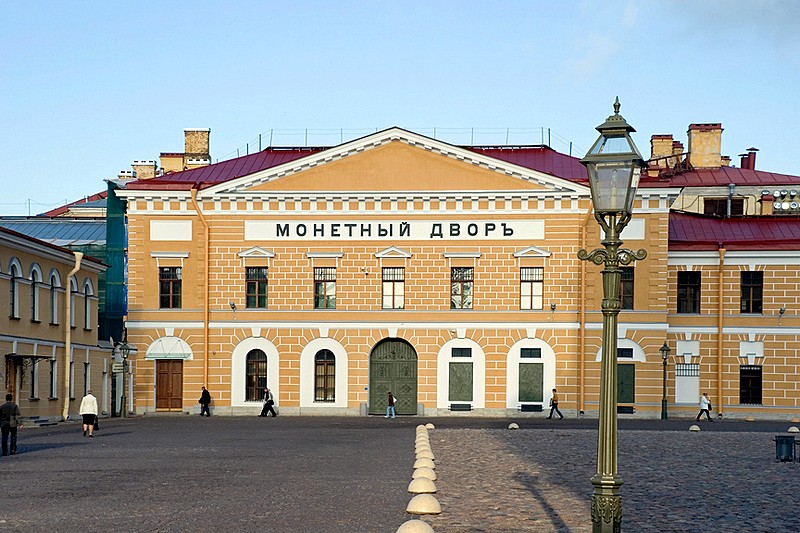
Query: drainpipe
x=582 y=318
x=68 y=335
x=719 y=326
x=205 y=282
x=729 y=205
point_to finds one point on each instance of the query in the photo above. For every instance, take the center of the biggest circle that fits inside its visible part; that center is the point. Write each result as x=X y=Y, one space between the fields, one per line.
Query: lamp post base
x=663 y=409
x=606 y=505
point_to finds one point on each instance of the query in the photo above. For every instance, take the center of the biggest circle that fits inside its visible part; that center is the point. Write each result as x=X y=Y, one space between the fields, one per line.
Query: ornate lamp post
x=124 y=350
x=614 y=165
x=664 y=356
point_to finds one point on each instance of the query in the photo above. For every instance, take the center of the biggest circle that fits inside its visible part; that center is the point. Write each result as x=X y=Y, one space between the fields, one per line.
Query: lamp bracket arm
x=627 y=257
x=597 y=256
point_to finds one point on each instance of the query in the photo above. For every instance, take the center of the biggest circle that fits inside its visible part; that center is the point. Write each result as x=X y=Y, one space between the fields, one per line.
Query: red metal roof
x=723 y=176
x=688 y=231
x=539 y=158
x=58 y=211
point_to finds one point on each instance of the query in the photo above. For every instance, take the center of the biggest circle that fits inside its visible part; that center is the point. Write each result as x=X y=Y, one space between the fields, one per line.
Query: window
x=531 y=287
x=54 y=283
x=35 y=378
x=719 y=207
x=461 y=352
x=73 y=289
x=169 y=287
x=87 y=306
x=394 y=287
x=752 y=291
x=530 y=353
x=86 y=373
x=626 y=288
x=324 y=288
x=255 y=375
x=53 y=378
x=688 y=292
x=14 y=288
x=256 y=287
x=625 y=353
x=36 y=279
x=71 y=380
x=461 y=280
x=324 y=376
x=750 y=384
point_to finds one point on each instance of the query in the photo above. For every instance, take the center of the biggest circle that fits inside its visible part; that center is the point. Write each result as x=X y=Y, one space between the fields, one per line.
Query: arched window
x=55 y=283
x=324 y=376
x=36 y=280
x=73 y=286
x=255 y=375
x=14 y=288
x=87 y=307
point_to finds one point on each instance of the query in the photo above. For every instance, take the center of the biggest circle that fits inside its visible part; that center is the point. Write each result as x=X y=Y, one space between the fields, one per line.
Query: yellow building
x=48 y=335
x=447 y=275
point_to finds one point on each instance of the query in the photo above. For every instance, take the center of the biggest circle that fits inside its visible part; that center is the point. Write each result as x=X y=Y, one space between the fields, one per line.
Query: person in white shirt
x=88 y=411
x=705 y=407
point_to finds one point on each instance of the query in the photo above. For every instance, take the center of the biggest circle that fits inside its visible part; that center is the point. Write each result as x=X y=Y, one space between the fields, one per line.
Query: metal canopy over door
x=393 y=367
x=169 y=384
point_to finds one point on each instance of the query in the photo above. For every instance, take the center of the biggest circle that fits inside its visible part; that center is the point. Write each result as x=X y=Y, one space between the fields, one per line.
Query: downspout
x=205 y=283
x=582 y=318
x=68 y=335
x=719 y=326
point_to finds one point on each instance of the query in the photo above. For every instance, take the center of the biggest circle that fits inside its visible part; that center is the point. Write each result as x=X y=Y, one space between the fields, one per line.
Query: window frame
x=170 y=288
x=626 y=288
x=689 y=292
x=462 y=287
x=324 y=287
x=750 y=302
x=393 y=279
x=256 y=369
x=324 y=376
x=747 y=390
x=533 y=279
x=256 y=287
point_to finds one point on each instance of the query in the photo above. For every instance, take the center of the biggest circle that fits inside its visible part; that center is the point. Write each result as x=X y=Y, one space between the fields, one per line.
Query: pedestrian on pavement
x=88 y=411
x=390 y=405
x=705 y=407
x=9 y=421
x=204 y=401
x=554 y=406
x=269 y=401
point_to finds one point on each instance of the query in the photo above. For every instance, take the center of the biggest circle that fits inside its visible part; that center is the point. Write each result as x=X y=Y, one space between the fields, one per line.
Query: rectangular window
x=718 y=207
x=461 y=352
x=85 y=378
x=752 y=284
x=531 y=287
x=750 y=384
x=626 y=288
x=35 y=378
x=53 y=380
x=169 y=287
x=394 y=287
x=256 y=287
x=688 y=292
x=324 y=288
x=625 y=353
x=530 y=353
x=71 y=380
x=461 y=281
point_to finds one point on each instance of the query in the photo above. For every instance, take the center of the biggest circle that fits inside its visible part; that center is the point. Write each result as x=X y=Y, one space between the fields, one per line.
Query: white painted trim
x=324 y=255
x=393 y=251
x=478 y=361
x=307 y=373
x=512 y=371
x=256 y=251
x=461 y=255
x=169 y=255
x=238 y=370
x=532 y=251
x=638 y=352
x=169 y=347
x=734 y=258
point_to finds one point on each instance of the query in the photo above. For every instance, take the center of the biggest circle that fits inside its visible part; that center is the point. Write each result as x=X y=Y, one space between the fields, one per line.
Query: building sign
x=273 y=230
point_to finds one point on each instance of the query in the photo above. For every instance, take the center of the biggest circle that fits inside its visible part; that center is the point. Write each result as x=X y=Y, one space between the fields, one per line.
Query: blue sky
x=88 y=87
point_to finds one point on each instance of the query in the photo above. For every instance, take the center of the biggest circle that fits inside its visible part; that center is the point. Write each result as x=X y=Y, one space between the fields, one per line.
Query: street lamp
x=124 y=350
x=664 y=357
x=614 y=166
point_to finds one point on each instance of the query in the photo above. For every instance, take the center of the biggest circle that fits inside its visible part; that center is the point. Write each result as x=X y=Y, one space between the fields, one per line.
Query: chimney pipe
x=751 y=158
x=745 y=161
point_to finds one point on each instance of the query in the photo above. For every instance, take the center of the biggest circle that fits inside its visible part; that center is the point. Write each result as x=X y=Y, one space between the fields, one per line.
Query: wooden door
x=169 y=385
x=393 y=367
x=626 y=383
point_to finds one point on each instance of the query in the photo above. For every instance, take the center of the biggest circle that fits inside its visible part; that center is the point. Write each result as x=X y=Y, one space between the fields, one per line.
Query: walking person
x=9 y=421
x=389 y=405
x=269 y=401
x=705 y=407
x=88 y=411
x=554 y=406
x=204 y=401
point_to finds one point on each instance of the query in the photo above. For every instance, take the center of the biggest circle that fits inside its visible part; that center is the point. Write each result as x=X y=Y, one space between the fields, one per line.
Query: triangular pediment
x=395 y=160
x=532 y=251
x=393 y=251
x=256 y=251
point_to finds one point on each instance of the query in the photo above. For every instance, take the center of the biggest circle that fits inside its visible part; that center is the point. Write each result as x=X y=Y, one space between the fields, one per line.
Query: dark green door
x=531 y=382
x=393 y=367
x=626 y=383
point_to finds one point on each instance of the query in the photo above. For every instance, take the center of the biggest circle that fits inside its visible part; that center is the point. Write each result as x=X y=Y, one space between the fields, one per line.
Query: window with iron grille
x=169 y=287
x=255 y=375
x=394 y=287
x=324 y=376
x=461 y=352
x=530 y=353
x=752 y=286
x=531 y=287
x=324 y=288
x=626 y=288
x=256 y=287
x=461 y=284
x=750 y=384
x=688 y=292
x=687 y=370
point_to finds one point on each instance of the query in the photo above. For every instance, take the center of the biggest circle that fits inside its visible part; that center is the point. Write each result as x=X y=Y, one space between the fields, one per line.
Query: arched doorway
x=393 y=367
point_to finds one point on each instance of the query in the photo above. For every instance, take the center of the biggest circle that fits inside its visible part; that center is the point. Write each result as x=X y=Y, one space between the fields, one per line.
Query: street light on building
x=124 y=350
x=614 y=166
x=664 y=357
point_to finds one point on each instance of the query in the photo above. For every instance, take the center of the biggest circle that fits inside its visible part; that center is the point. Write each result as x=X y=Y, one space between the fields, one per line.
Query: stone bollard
x=415 y=526
x=424 y=462
x=694 y=427
x=423 y=471
x=793 y=429
x=422 y=485
x=425 y=454
x=513 y=425
x=423 y=504
x=430 y=426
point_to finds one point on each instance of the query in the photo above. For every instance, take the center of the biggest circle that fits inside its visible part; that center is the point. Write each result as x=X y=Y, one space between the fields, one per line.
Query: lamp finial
x=616 y=106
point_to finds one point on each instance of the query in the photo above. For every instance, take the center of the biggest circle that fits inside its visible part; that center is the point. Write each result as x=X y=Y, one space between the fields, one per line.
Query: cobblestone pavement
x=349 y=475
x=496 y=480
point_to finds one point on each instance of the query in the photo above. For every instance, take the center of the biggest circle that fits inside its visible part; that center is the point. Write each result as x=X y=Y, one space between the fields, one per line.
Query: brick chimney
x=660 y=149
x=197 y=143
x=144 y=170
x=705 y=145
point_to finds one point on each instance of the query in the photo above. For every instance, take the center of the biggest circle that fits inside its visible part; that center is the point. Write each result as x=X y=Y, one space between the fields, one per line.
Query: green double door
x=393 y=367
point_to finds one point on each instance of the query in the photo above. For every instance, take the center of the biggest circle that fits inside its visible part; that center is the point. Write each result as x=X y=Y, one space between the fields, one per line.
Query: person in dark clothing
x=205 y=400
x=9 y=421
x=554 y=406
x=390 y=413
x=269 y=401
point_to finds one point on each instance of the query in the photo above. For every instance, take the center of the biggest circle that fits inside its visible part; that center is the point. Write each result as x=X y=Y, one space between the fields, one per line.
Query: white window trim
x=478 y=360
x=239 y=369
x=638 y=352
x=512 y=371
x=307 y=368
